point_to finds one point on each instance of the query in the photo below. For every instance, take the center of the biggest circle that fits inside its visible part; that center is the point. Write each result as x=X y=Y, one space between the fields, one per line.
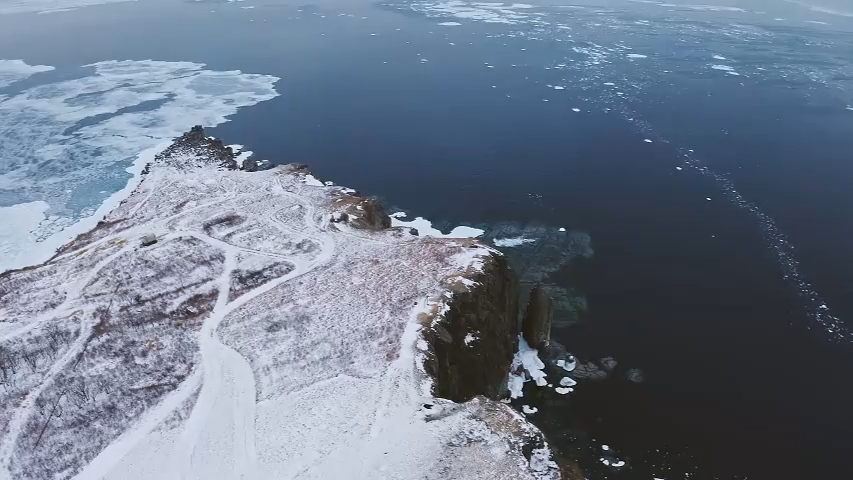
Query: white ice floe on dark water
x=425 y=229
x=528 y=410
x=68 y=147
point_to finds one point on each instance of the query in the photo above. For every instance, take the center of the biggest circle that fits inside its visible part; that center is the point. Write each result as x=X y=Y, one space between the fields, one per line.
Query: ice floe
x=425 y=229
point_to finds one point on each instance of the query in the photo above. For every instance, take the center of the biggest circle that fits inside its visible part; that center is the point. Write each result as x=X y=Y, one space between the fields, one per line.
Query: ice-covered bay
x=67 y=146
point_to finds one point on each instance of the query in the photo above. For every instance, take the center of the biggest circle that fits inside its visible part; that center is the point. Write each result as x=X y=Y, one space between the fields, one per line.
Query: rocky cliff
x=473 y=341
x=224 y=323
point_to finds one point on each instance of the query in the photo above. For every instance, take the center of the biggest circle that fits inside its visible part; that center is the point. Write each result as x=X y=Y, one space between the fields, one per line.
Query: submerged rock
x=634 y=375
x=589 y=371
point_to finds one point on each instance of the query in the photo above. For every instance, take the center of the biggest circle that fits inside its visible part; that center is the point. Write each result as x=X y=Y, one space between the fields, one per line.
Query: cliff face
x=472 y=344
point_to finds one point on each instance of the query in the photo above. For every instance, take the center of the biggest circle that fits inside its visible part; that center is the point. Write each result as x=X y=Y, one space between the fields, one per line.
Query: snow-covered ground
x=261 y=336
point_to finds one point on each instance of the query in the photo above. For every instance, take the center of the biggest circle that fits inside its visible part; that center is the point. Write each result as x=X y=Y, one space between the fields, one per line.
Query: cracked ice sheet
x=12 y=71
x=72 y=144
x=49 y=6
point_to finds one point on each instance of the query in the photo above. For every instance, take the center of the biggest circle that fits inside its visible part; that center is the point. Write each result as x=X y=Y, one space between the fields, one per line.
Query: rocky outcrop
x=249 y=165
x=194 y=149
x=536 y=325
x=362 y=213
x=471 y=345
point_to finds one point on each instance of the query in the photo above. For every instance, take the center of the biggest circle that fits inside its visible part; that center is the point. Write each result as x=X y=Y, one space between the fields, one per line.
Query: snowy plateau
x=224 y=323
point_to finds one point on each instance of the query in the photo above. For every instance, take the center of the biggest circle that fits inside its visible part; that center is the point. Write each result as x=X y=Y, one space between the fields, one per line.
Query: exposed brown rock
x=487 y=315
x=362 y=213
x=198 y=149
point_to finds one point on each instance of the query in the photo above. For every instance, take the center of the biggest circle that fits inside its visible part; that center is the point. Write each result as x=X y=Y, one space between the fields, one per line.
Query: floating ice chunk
x=425 y=229
x=568 y=382
x=424 y=60
x=527 y=409
x=567 y=366
x=606 y=448
x=636 y=55
x=719 y=57
x=564 y=390
x=470 y=338
x=609 y=84
x=648 y=140
x=618 y=464
x=850 y=108
x=559 y=87
x=576 y=109
x=562 y=229
x=604 y=461
x=450 y=24
x=679 y=168
x=544 y=99
x=708 y=198
x=512 y=242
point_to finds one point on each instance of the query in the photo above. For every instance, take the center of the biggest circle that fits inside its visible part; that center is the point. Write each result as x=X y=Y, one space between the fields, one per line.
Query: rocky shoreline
x=205 y=283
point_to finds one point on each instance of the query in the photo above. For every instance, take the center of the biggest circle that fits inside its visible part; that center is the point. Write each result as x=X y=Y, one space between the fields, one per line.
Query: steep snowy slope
x=222 y=323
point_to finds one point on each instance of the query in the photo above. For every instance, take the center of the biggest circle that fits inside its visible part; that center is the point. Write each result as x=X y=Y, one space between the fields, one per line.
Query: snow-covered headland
x=223 y=322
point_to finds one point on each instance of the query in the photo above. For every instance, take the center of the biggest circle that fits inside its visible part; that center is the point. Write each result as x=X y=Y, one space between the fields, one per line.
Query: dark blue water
x=742 y=379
